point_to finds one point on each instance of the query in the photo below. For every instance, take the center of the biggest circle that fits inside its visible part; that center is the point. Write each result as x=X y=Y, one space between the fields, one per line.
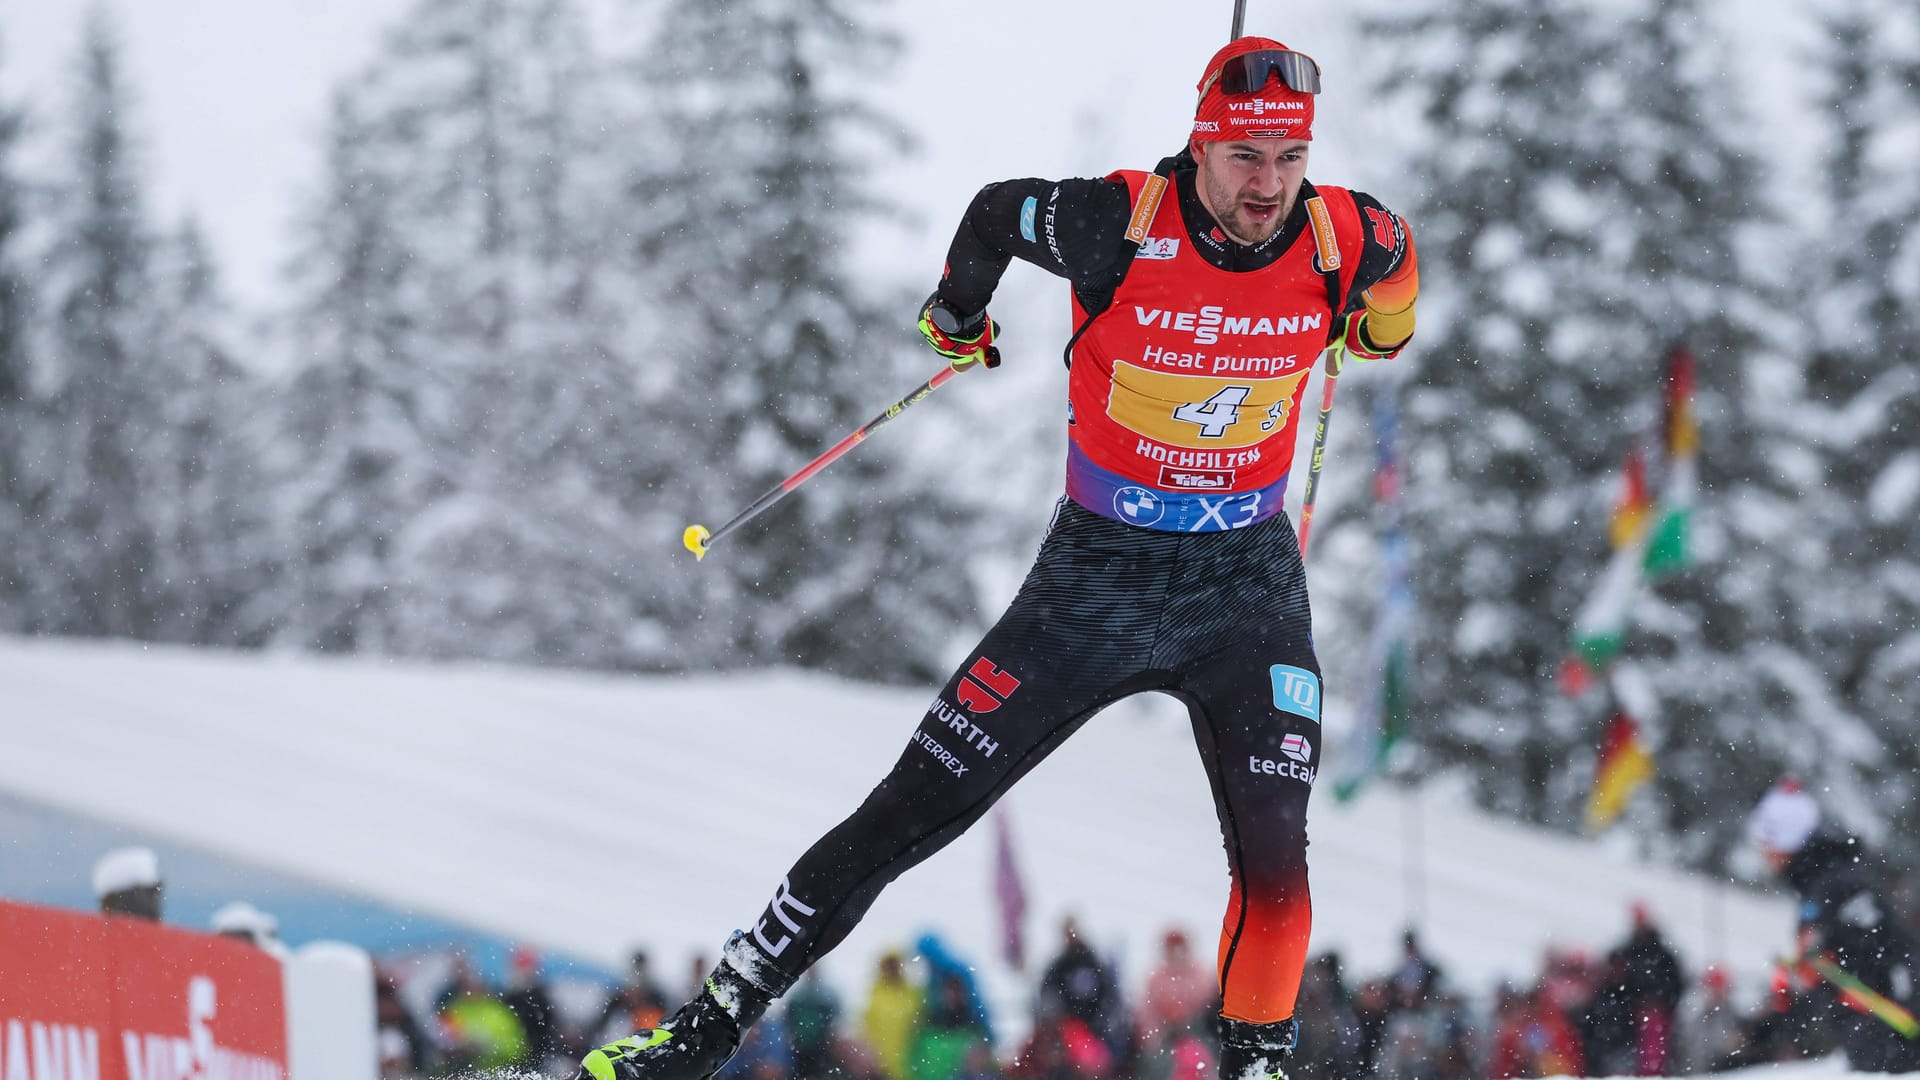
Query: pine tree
x=213 y=555
x=94 y=570
x=1860 y=407
x=470 y=362
x=355 y=466
x=775 y=351
x=1578 y=208
x=18 y=488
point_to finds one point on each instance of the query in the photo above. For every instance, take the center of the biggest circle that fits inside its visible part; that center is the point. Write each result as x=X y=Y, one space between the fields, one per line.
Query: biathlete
x=1203 y=292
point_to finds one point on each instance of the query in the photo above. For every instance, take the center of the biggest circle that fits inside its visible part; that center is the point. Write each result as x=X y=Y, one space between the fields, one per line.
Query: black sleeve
x=1071 y=228
x=1385 y=245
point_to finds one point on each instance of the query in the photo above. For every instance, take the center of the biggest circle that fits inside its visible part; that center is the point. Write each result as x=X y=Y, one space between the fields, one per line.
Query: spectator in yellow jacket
x=892 y=1017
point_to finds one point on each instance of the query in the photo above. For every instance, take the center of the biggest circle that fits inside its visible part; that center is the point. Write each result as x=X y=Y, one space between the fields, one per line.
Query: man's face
x=1250 y=186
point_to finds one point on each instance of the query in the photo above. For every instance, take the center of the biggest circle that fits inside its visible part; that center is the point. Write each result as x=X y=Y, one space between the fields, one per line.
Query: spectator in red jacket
x=1534 y=1039
x=1178 y=990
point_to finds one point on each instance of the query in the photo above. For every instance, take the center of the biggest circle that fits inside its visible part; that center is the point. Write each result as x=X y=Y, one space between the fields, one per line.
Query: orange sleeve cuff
x=1390 y=302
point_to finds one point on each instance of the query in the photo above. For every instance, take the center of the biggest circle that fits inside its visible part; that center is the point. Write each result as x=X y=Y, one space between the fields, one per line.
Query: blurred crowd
x=1633 y=1009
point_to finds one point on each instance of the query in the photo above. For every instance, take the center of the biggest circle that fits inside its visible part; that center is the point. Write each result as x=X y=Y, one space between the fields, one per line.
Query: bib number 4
x=1218 y=413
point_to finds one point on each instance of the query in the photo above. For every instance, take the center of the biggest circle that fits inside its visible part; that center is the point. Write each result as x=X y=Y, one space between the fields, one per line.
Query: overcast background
x=231 y=98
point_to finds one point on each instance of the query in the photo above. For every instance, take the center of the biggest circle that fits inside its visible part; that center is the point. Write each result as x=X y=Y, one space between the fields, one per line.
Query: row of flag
x=1651 y=539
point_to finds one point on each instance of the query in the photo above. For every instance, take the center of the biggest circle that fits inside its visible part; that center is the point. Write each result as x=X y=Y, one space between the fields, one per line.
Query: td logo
x=1296 y=691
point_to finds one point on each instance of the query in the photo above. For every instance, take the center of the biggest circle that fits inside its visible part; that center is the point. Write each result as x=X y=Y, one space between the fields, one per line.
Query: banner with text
x=86 y=997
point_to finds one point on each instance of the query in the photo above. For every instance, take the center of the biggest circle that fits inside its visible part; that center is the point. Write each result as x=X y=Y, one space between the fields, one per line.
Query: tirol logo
x=1296 y=747
x=1195 y=479
x=1296 y=691
x=1138 y=505
x=1159 y=247
x=1029 y=210
x=978 y=698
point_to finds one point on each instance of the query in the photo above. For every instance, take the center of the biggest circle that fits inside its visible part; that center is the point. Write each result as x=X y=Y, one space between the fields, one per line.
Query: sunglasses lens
x=1248 y=74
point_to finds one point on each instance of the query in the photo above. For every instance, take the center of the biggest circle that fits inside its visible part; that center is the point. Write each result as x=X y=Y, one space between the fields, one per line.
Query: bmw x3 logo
x=1139 y=505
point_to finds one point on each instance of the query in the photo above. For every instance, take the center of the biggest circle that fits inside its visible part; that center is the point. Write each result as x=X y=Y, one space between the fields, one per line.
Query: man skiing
x=1202 y=294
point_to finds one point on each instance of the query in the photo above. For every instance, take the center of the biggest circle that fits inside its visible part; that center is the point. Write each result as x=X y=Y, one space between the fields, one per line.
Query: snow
x=664 y=811
x=1896 y=489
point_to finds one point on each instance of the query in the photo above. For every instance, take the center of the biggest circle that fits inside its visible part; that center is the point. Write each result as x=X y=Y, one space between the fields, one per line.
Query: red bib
x=1185 y=393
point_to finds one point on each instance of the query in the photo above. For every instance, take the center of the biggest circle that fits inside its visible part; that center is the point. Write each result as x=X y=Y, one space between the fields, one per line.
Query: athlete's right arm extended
x=1071 y=228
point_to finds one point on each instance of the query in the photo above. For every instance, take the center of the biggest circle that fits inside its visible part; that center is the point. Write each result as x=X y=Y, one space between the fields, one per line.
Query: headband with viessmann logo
x=1256 y=88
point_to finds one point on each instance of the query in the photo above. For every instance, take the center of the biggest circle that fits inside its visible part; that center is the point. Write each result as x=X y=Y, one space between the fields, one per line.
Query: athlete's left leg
x=1256 y=719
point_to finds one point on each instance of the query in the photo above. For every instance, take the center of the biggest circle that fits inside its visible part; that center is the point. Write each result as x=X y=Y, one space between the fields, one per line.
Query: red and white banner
x=85 y=997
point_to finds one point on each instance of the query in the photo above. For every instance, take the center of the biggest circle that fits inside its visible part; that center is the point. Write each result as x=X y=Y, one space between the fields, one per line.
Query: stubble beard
x=1250 y=234
x=1226 y=207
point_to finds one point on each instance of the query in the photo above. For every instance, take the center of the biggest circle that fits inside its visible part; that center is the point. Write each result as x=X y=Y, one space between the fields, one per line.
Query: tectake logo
x=1285 y=766
x=1139 y=505
x=1159 y=247
x=1297 y=747
x=1296 y=691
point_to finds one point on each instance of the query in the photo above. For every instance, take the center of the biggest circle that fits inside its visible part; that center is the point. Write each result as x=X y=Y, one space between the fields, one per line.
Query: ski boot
x=701 y=1035
x=1256 y=1051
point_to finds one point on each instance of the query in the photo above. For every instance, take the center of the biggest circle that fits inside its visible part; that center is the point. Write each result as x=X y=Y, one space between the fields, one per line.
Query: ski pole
x=697 y=539
x=1336 y=357
x=1866 y=997
x=1239 y=20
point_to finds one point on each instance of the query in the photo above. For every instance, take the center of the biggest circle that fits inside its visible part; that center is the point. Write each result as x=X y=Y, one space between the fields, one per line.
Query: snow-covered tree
x=1580 y=207
x=17 y=400
x=757 y=184
x=213 y=555
x=1859 y=403
x=467 y=339
x=93 y=569
x=355 y=466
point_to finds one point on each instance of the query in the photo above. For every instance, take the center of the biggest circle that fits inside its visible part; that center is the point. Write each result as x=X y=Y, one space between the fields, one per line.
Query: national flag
x=1667 y=543
x=1648 y=539
x=1624 y=765
x=1011 y=892
x=1632 y=506
x=1600 y=628
x=1364 y=752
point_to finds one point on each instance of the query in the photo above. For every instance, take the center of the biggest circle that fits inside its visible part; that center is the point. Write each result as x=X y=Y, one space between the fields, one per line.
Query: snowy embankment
x=590 y=813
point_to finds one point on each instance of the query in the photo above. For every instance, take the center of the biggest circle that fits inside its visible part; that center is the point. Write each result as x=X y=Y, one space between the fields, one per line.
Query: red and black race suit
x=1207 y=602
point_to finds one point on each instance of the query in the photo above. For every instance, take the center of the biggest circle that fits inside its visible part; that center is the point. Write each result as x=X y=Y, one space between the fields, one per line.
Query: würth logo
x=977 y=698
